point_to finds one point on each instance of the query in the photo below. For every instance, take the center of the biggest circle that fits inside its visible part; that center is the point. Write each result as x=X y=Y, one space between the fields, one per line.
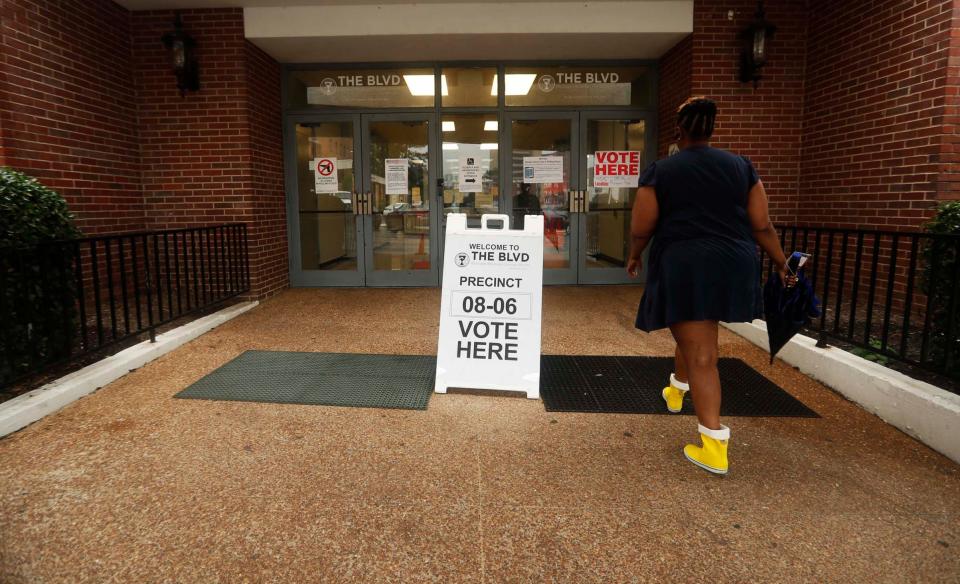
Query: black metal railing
x=892 y=294
x=61 y=301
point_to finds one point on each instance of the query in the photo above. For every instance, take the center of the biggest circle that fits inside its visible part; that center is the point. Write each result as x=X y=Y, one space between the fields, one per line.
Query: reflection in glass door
x=471 y=169
x=325 y=228
x=400 y=247
x=551 y=157
x=541 y=148
x=606 y=212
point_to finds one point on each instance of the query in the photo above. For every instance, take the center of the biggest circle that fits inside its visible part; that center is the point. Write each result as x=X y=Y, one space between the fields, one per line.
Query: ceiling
x=345 y=31
x=467 y=47
x=161 y=4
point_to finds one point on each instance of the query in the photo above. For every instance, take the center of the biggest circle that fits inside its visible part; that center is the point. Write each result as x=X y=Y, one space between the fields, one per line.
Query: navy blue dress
x=703 y=262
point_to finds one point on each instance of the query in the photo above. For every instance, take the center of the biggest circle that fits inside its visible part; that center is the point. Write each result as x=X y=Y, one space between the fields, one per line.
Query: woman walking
x=706 y=211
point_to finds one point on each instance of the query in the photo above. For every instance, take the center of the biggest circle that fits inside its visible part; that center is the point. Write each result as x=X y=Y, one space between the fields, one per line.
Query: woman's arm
x=763 y=231
x=643 y=222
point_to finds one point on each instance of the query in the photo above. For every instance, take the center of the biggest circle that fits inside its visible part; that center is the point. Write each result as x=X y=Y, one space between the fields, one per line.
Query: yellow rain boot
x=712 y=456
x=673 y=394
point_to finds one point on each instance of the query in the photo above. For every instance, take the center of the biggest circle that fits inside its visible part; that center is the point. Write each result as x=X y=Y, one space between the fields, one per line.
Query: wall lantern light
x=181 y=47
x=755 y=38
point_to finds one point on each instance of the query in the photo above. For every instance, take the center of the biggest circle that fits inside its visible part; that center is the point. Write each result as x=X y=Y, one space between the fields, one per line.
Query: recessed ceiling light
x=450 y=146
x=448 y=126
x=517 y=83
x=489 y=146
x=490 y=126
x=422 y=85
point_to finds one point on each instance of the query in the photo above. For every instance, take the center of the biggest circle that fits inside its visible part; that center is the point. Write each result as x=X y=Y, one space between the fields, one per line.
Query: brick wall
x=195 y=148
x=854 y=123
x=68 y=114
x=268 y=239
x=948 y=187
x=215 y=155
x=763 y=123
x=676 y=70
x=90 y=107
x=874 y=134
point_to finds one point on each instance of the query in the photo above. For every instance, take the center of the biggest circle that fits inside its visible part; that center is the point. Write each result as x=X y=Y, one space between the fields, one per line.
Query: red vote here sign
x=616 y=168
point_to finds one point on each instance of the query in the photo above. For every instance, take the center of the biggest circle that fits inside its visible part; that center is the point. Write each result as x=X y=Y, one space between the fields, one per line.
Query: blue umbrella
x=787 y=309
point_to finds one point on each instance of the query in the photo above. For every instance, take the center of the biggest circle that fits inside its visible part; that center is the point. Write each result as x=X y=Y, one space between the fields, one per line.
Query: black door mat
x=331 y=379
x=632 y=385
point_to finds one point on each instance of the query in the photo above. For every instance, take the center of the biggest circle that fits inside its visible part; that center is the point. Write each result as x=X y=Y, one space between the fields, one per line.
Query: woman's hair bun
x=697 y=116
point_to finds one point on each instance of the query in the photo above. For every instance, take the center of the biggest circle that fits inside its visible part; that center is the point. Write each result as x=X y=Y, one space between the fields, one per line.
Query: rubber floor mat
x=628 y=385
x=332 y=379
x=632 y=385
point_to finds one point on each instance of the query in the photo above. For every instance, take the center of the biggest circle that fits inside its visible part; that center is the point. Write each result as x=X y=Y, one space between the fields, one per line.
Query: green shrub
x=940 y=265
x=871 y=355
x=38 y=293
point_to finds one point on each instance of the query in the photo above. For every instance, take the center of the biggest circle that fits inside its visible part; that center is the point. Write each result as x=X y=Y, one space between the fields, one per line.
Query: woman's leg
x=697 y=344
x=679 y=366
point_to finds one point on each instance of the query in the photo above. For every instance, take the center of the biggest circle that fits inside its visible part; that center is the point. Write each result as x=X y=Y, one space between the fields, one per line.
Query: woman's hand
x=788 y=280
x=765 y=234
x=634 y=265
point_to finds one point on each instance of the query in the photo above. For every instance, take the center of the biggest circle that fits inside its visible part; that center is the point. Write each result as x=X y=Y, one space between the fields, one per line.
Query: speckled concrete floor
x=131 y=485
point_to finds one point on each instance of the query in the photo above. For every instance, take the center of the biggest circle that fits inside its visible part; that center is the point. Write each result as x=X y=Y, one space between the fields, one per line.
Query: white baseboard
x=922 y=410
x=34 y=405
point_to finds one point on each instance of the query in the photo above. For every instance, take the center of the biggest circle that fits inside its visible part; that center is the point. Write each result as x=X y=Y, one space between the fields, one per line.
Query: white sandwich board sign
x=491 y=305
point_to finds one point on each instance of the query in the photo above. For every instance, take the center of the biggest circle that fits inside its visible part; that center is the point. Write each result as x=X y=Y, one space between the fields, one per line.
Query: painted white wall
x=444 y=31
x=487 y=47
x=166 y=4
x=670 y=16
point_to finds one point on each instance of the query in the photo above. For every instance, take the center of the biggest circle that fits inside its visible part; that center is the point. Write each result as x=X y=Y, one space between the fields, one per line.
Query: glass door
x=370 y=192
x=470 y=149
x=552 y=162
x=399 y=214
x=627 y=144
x=326 y=243
x=540 y=178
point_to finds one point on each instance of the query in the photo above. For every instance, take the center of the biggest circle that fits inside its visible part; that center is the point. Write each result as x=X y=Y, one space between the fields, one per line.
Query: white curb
x=33 y=405
x=924 y=411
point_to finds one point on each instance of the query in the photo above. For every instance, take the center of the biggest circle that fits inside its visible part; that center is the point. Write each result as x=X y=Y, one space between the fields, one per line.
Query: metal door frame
x=298 y=275
x=402 y=278
x=299 y=114
x=566 y=276
x=608 y=275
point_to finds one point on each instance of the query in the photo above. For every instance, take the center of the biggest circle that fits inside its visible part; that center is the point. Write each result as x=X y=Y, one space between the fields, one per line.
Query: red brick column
x=763 y=123
x=676 y=73
x=854 y=123
x=948 y=187
x=215 y=155
x=268 y=237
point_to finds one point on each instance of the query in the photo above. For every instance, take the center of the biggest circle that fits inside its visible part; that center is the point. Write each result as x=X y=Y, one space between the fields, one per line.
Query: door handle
x=578 y=201
x=355 y=203
x=368 y=200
